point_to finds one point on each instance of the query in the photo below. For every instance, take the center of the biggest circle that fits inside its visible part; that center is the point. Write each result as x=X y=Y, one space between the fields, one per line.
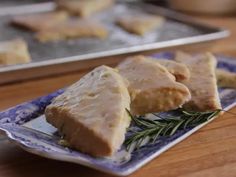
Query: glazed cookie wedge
x=151 y=86
x=14 y=51
x=179 y=70
x=225 y=78
x=83 y=8
x=202 y=82
x=72 y=29
x=139 y=24
x=91 y=114
x=40 y=21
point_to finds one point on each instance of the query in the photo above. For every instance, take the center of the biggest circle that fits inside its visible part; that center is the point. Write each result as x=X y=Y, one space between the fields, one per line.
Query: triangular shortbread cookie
x=152 y=87
x=92 y=112
x=202 y=82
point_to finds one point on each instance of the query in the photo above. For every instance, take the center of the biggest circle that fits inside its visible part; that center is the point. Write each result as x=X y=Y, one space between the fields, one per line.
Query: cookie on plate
x=151 y=86
x=225 y=78
x=91 y=114
x=202 y=82
x=179 y=70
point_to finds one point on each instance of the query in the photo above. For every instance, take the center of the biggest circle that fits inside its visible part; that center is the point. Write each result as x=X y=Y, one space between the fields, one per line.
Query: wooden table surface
x=211 y=152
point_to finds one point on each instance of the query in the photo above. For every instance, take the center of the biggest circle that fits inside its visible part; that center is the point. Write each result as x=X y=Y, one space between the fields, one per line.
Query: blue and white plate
x=25 y=125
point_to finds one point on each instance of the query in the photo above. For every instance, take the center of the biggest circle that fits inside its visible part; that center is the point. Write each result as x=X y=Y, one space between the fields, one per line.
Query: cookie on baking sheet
x=40 y=21
x=202 y=82
x=151 y=86
x=14 y=52
x=72 y=29
x=140 y=24
x=83 y=8
x=225 y=78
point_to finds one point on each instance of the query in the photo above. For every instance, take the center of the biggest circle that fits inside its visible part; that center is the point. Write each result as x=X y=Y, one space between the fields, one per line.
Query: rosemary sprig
x=148 y=131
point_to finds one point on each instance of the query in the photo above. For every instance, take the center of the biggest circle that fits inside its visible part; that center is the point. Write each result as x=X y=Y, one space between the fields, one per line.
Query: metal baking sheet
x=177 y=30
x=9 y=3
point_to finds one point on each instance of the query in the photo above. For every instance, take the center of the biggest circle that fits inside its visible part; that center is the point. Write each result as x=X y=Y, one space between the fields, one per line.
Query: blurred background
x=198 y=24
x=213 y=7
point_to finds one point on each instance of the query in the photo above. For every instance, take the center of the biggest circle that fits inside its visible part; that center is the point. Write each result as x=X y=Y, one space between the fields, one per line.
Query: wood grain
x=211 y=152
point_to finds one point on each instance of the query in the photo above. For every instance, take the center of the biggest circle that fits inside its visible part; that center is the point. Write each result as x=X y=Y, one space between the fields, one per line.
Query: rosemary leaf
x=150 y=130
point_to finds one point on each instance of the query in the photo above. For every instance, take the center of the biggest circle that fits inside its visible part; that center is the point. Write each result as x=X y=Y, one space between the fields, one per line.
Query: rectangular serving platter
x=63 y=56
x=25 y=125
